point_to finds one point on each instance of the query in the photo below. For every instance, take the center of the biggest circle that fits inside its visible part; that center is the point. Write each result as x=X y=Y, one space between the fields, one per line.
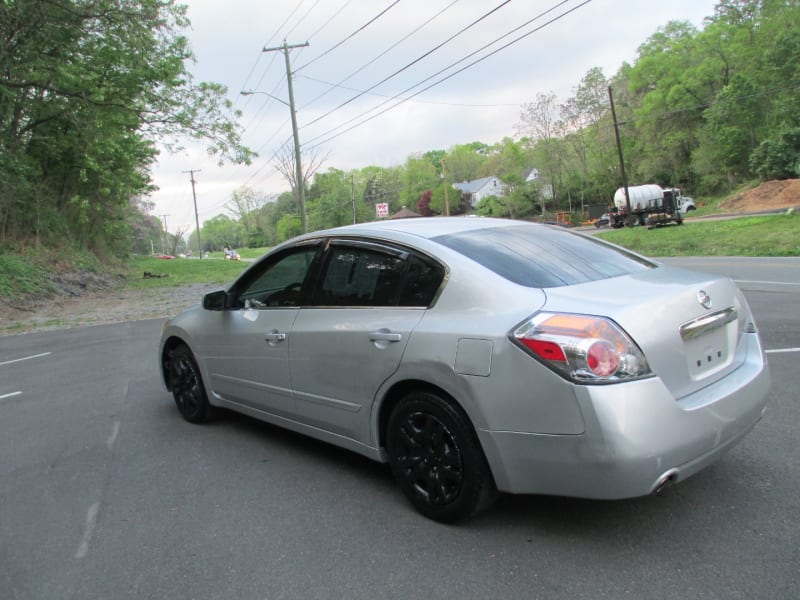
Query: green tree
x=87 y=87
x=221 y=231
x=246 y=204
x=778 y=158
x=330 y=200
x=734 y=123
x=465 y=162
x=420 y=174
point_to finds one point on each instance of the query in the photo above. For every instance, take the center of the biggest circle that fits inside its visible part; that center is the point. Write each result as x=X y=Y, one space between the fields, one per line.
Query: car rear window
x=542 y=257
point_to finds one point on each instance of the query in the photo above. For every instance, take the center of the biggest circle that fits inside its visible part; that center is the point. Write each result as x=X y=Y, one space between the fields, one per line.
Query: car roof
x=424 y=227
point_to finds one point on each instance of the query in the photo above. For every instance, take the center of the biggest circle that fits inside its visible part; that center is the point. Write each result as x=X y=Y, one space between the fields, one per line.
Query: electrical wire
x=379 y=56
x=332 y=131
x=352 y=35
x=260 y=54
x=467 y=104
x=413 y=62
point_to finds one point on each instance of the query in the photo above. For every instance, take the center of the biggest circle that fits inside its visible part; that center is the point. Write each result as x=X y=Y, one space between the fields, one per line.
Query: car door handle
x=275 y=336
x=385 y=336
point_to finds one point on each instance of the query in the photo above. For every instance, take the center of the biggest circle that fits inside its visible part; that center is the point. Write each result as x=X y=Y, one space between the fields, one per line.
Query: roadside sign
x=382 y=209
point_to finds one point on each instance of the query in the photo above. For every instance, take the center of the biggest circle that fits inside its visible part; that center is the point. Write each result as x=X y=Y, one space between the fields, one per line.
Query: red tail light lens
x=583 y=348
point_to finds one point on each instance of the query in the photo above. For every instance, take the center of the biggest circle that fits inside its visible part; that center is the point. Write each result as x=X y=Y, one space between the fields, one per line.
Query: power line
x=413 y=62
x=352 y=35
x=260 y=54
x=466 y=104
x=453 y=74
x=328 y=22
x=376 y=58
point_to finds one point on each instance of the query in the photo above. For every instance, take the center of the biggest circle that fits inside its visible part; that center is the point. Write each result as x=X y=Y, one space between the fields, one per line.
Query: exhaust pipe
x=666 y=479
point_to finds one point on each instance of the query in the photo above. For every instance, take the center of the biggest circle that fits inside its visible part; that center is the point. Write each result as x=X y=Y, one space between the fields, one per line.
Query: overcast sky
x=360 y=62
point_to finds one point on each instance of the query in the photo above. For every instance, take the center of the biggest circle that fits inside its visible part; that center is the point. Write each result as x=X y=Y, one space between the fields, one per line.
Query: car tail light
x=582 y=348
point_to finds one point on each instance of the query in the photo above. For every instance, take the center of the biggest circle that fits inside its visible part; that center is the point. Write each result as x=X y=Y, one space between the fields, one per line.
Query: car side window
x=280 y=283
x=362 y=276
x=422 y=281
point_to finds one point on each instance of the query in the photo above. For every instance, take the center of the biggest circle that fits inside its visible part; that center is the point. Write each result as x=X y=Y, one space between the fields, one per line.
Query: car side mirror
x=215 y=300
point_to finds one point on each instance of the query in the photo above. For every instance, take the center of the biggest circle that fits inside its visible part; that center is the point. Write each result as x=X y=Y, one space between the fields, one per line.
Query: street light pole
x=301 y=194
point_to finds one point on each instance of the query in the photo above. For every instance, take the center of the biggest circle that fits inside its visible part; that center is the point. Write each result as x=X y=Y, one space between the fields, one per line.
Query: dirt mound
x=770 y=195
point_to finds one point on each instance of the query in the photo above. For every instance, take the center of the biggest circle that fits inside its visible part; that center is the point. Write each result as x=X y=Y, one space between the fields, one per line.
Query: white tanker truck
x=651 y=205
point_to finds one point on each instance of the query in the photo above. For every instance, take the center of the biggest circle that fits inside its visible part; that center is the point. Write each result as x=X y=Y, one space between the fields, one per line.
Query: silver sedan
x=479 y=355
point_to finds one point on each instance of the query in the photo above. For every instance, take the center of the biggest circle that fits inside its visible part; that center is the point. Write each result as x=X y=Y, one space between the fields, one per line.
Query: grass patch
x=253 y=252
x=179 y=271
x=22 y=275
x=773 y=235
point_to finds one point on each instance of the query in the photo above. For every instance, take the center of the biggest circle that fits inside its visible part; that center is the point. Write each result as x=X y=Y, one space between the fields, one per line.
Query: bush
x=777 y=158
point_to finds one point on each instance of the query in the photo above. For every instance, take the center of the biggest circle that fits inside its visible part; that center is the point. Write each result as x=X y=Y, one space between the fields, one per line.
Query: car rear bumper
x=638 y=436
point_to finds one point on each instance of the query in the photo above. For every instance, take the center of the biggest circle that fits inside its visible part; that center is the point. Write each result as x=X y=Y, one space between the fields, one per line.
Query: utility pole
x=621 y=160
x=301 y=194
x=165 y=238
x=196 y=218
x=444 y=181
x=353 y=195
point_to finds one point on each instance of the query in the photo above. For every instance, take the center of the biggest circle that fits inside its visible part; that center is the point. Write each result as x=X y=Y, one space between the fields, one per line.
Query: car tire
x=187 y=386
x=437 y=460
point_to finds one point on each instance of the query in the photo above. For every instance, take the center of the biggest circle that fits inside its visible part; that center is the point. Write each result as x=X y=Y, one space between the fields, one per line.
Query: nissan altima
x=478 y=356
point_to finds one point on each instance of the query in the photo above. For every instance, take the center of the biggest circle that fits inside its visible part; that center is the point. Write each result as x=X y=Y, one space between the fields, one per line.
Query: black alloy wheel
x=187 y=386
x=436 y=458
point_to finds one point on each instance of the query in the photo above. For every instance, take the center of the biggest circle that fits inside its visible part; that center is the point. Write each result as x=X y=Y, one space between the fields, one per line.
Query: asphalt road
x=106 y=493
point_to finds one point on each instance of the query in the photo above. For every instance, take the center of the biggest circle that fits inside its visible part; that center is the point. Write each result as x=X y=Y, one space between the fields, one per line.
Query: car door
x=247 y=354
x=351 y=339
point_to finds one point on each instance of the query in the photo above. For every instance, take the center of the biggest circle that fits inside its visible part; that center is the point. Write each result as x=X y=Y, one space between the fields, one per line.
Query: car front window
x=279 y=283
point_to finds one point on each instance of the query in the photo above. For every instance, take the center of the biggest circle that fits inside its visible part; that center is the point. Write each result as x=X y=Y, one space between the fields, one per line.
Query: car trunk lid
x=689 y=325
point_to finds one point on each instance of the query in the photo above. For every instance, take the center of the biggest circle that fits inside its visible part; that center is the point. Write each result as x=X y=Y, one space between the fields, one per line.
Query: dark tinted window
x=279 y=283
x=362 y=276
x=422 y=281
x=540 y=256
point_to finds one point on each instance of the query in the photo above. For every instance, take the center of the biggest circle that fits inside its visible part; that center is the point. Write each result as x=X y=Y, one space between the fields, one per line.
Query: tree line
x=89 y=86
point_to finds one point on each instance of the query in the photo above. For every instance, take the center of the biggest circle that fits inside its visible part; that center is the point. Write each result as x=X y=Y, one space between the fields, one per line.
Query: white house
x=478 y=189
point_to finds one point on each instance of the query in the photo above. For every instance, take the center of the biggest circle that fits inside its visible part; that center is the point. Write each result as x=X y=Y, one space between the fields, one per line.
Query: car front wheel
x=187 y=386
x=436 y=459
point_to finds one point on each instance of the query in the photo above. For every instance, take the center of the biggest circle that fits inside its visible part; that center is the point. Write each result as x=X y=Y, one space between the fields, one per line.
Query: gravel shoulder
x=100 y=307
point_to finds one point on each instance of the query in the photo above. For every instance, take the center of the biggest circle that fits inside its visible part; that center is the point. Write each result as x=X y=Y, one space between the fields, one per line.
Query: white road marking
x=4 y=396
x=16 y=360
x=782 y=350
x=91 y=521
x=113 y=437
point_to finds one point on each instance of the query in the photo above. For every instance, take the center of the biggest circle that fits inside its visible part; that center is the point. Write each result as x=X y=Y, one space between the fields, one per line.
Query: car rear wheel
x=187 y=386
x=436 y=459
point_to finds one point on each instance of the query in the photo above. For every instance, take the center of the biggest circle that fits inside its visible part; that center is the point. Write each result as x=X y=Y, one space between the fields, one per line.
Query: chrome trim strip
x=706 y=323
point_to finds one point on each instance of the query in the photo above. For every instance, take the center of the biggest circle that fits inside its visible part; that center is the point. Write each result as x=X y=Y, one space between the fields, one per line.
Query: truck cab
x=681 y=203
